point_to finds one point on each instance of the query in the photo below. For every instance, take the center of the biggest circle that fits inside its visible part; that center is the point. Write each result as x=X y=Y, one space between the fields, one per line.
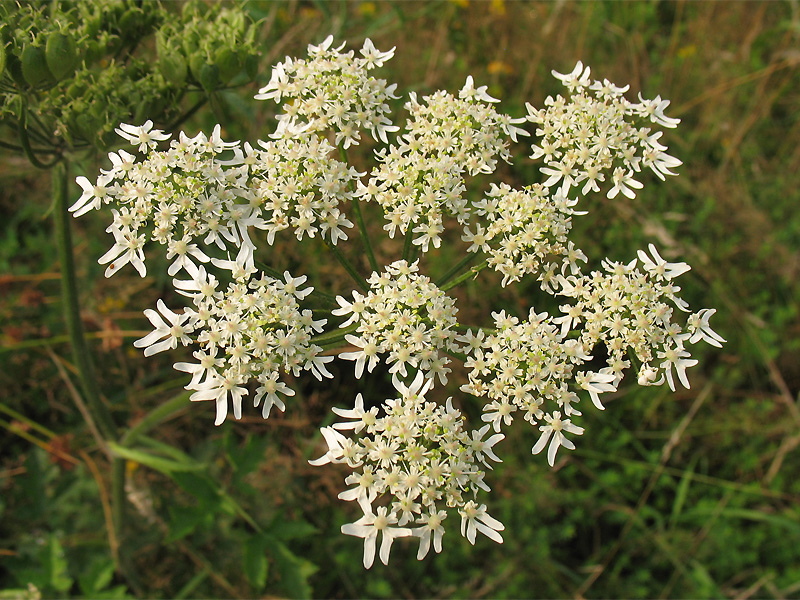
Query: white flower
x=577 y=78
x=167 y=333
x=623 y=182
x=93 y=195
x=678 y=358
x=701 y=330
x=555 y=428
x=217 y=389
x=430 y=531
x=469 y=91
x=335 y=453
x=659 y=267
x=127 y=248
x=268 y=390
x=368 y=352
x=369 y=526
x=595 y=384
x=374 y=56
x=145 y=135
x=474 y=518
x=655 y=110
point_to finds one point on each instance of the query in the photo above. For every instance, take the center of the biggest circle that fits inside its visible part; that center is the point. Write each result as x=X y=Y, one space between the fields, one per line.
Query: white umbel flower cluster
x=405 y=319
x=247 y=332
x=527 y=366
x=421 y=180
x=631 y=311
x=189 y=196
x=410 y=466
x=591 y=136
x=332 y=90
x=525 y=232
x=414 y=462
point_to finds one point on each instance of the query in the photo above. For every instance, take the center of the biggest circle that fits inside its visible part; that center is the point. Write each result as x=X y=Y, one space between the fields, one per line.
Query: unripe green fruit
x=14 y=66
x=251 y=66
x=173 y=68
x=2 y=59
x=209 y=77
x=62 y=55
x=87 y=127
x=228 y=62
x=34 y=65
x=130 y=23
x=196 y=62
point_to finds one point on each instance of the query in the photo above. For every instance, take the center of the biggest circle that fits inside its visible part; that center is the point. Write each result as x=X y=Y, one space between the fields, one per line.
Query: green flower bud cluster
x=209 y=47
x=71 y=72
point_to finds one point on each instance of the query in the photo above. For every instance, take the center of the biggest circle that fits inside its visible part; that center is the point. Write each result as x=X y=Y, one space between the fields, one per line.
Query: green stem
x=408 y=244
x=118 y=498
x=72 y=313
x=188 y=114
x=456 y=269
x=473 y=272
x=331 y=337
x=348 y=266
x=362 y=227
x=16 y=148
x=80 y=349
x=26 y=145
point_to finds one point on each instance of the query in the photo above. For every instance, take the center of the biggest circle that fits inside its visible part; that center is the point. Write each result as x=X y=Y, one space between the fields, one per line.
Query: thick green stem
x=72 y=314
x=473 y=272
x=80 y=349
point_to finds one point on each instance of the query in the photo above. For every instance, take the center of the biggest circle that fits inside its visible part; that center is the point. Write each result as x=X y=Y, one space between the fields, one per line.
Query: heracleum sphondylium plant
x=415 y=463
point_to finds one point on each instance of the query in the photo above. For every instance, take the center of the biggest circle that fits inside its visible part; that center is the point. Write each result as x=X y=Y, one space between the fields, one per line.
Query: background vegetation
x=691 y=494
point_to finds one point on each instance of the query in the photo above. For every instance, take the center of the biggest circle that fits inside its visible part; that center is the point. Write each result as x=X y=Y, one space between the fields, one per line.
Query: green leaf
x=185 y=520
x=255 y=561
x=97 y=576
x=246 y=459
x=294 y=571
x=681 y=494
x=286 y=530
x=55 y=565
x=201 y=488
